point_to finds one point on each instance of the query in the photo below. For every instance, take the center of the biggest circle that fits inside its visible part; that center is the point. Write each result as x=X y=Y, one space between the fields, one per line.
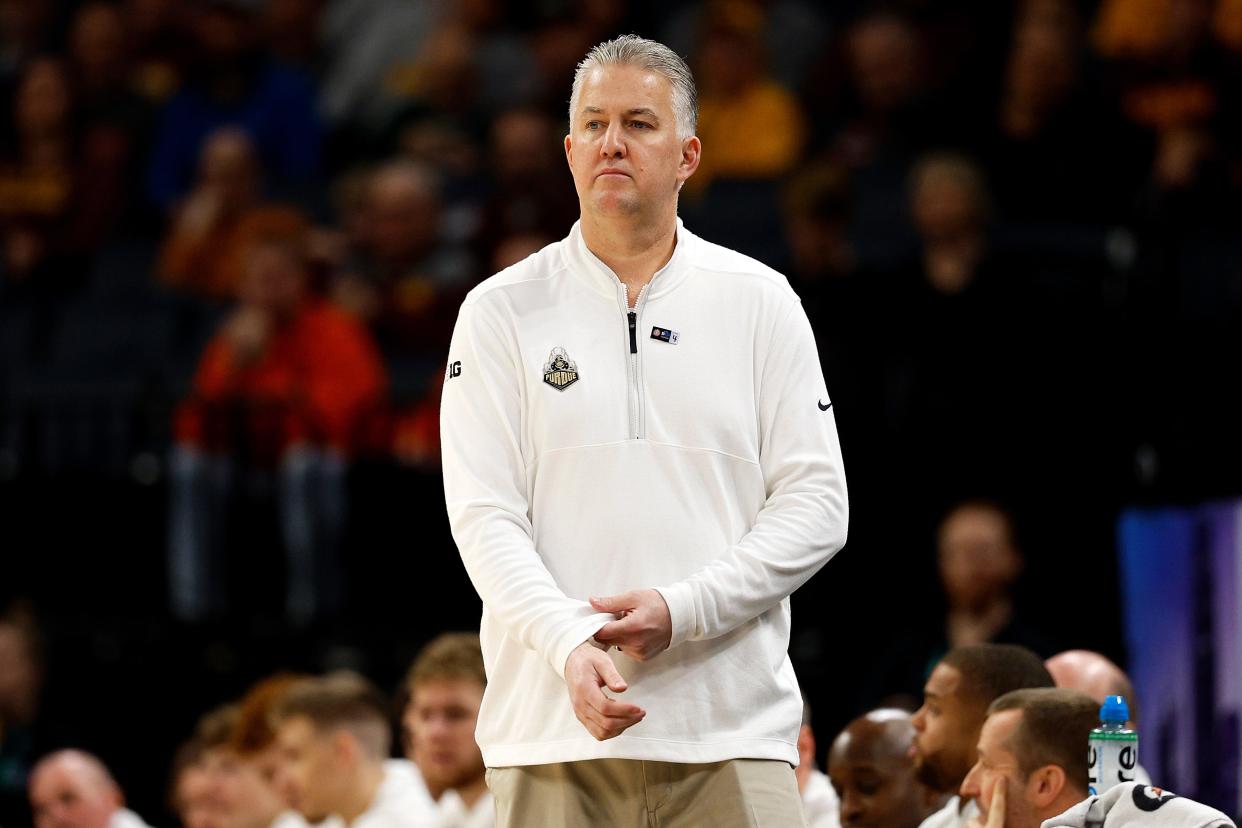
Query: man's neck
x=363 y=792
x=633 y=248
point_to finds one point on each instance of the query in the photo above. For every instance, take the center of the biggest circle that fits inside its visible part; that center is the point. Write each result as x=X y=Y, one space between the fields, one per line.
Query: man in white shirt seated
x=1032 y=761
x=445 y=688
x=819 y=800
x=333 y=738
x=73 y=789
x=872 y=771
x=955 y=704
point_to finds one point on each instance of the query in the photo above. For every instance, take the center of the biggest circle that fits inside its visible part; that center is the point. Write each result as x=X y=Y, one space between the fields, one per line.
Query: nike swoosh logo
x=823 y=407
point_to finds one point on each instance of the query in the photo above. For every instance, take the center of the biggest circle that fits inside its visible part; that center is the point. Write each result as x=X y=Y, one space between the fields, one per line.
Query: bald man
x=872 y=769
x=1092 y=673
x=73 y=789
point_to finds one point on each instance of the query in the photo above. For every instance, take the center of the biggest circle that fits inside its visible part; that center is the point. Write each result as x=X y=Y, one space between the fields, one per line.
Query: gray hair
x=632 y=50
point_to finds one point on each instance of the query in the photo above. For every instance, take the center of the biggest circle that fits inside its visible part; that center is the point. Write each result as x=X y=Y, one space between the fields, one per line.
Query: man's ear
x=691 y=152
x=569 y=145
x=1045 y=785
x=344 y=746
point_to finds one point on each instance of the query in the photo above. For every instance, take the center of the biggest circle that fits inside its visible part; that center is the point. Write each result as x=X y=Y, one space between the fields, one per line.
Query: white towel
x=1133 y=805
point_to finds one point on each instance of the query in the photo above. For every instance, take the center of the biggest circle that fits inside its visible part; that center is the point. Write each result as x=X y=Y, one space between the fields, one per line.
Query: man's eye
x=640 y=125
x=592 y=124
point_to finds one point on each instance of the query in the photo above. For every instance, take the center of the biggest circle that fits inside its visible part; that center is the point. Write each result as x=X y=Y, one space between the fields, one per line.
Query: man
x=190 y=789
x=637 y=414
x=1032 y=761
x=333 y=737
x=242 y=797
x=820 y=805
x=445 y=688
x=955 y=703
x=1093 y=674
x=288 y=382
x=73 y=789
x=872 y=770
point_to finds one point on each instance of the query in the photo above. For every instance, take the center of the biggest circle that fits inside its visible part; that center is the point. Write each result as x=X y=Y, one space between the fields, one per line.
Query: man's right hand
x=588 y=670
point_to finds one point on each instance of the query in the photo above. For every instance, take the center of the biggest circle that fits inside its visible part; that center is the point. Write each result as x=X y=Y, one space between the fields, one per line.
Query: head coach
x=640 y=465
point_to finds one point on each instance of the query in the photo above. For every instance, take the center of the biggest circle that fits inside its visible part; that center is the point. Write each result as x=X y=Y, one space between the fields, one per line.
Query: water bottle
x=1112 y=749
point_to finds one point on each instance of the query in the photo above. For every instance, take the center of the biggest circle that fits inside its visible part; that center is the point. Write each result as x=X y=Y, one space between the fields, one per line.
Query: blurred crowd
x=234 y=235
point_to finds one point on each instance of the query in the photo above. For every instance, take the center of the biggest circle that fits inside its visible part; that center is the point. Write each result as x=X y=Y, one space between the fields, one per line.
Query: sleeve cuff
x=680 y=600
x=578 y=633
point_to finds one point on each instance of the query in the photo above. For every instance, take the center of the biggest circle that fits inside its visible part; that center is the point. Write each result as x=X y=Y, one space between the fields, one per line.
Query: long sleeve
x=804 y=518
x=487 y=493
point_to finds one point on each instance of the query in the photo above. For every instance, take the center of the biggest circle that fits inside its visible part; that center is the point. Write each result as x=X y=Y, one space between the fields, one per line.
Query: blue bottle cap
x=1115 y=709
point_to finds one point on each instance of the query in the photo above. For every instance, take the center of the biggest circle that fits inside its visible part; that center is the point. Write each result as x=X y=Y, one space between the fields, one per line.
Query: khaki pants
x=629 y=793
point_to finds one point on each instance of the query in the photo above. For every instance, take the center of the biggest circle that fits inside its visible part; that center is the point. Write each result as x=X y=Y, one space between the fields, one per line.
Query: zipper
x=637 y=425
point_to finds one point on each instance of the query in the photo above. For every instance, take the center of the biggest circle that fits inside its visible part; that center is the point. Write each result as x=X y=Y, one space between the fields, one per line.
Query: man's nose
x=918 y=719
x=851 y=808
x=613 y=145
x=970 y=785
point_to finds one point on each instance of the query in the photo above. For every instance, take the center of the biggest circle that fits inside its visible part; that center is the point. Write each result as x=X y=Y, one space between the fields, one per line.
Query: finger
x=617 y=632
x=607 y=673
x=602 y=726
x=614 y=603
x=614 y=709
x=996 y=811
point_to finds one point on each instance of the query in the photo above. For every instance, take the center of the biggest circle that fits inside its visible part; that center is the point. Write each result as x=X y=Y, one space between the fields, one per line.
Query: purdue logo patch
x=560 y=371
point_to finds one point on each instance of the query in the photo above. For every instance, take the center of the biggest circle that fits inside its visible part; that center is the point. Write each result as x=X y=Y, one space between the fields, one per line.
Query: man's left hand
x=996 y=811
x=643 y=628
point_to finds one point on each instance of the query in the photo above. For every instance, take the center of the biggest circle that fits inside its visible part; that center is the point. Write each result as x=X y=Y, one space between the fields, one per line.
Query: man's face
x=196 y=800
x=997 y=767
x=64 y=796
x=877 y=790
x=309 y=774
x=622 y=147
x=946 y=728
x=977 y=559
x=245 y=799
x=439 y=723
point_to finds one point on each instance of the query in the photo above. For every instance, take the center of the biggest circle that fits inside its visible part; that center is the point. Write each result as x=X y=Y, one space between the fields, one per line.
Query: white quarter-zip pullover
x=687 y=445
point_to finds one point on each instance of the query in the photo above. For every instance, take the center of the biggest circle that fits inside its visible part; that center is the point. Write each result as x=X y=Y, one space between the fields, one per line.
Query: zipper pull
x=633 y=332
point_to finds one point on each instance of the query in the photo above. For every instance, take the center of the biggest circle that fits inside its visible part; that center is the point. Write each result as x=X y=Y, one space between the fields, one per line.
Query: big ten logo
x=1126 y=761
x=1093 y=770
x=454 y=369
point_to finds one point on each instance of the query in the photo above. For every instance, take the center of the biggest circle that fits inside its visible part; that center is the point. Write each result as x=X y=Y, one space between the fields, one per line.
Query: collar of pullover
x=586 y=266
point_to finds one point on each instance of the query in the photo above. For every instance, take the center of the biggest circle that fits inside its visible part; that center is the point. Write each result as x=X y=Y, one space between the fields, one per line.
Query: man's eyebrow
x=930 y=694
x=638 y=110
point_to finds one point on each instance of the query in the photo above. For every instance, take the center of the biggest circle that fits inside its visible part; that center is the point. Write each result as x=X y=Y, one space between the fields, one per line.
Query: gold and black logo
x=560 y=371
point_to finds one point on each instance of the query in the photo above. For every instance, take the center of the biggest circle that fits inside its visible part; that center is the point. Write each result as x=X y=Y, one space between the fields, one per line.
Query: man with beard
x=873 y=773
x=445 y=687
x=955 y=704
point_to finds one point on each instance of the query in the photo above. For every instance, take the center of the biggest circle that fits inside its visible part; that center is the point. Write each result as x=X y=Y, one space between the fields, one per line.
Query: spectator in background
x=72 y=789
x=291 y=32
x=220 y=219
x=58 y=183
x=754 y=126
x=253 y=738
x=190 y=789
x=885 y=126
x=114 y=117
x=287 y=383
x=1055 y=154
x=26 y=30
x=525 y=164
x=333 y=735
x=955 y=703
x=232 y=82
x=241 y=796
x=820 y=804
x=1032 y=753
x=21 y=684
x=873 y=773
x=445 y=687
x=158 y=47
x=402 y=280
